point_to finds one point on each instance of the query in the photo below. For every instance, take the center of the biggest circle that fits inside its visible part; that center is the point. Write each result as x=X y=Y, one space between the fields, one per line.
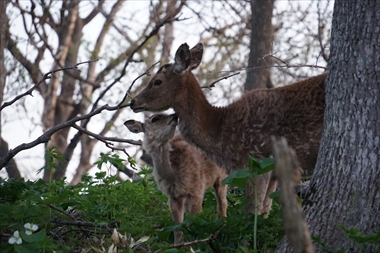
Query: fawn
x=181 y=170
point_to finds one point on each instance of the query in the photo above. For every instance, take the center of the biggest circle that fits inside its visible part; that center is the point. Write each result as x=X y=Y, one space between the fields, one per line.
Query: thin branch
x=220 y=79
x=45 y=77
x=128 y=93
x=61 y=211
x=44 y=138
x=185 y=244
x=106 y=140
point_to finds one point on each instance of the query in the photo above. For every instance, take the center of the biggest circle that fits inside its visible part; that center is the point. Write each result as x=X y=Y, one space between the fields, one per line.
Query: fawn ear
x=196 y=55
x=135 y=126
x=182 y=59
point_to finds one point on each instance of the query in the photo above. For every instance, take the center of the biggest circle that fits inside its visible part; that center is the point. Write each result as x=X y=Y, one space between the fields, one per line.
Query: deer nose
x=132 y=103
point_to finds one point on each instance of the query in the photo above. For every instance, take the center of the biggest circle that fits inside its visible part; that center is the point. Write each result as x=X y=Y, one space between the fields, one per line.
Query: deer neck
x=161 y=160
x=199 y=120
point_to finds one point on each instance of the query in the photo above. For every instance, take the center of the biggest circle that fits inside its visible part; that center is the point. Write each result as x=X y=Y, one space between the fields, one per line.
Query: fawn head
x=158 y=127
x=165 y=86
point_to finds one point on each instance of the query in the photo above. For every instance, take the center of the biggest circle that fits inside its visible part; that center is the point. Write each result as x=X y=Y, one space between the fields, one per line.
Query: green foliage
x=83 y=217
x=357 y=236
x=52 y=158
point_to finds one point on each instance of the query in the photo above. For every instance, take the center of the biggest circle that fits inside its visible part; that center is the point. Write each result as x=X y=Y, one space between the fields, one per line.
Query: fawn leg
x=177 y=208
x=196 y=204
x=221 y=198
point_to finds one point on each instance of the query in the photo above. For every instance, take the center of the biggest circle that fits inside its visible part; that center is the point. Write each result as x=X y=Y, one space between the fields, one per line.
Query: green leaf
x=238 y=178
x=36 y=237
x=266 y=165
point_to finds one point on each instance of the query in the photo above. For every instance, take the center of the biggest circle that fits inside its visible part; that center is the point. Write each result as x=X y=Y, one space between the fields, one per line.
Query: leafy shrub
x=83 y=217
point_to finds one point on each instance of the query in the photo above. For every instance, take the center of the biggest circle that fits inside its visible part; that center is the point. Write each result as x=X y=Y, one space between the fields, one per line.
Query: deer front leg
x=177 y=208
x=257 y=188
x=271 y=188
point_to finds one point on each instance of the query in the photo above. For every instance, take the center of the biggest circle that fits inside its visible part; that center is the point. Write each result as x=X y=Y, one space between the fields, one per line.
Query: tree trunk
x=3 y=43
x=11 y=167
x=345 y=186
x=261 y=44
x=261 y=41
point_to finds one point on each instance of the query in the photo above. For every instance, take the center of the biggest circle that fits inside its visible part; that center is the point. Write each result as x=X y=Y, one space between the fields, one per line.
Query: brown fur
x=181 y=170
x=228 y=135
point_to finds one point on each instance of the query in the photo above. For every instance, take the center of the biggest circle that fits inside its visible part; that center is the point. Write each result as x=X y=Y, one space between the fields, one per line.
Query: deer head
x=158 y=127
x=164 y=88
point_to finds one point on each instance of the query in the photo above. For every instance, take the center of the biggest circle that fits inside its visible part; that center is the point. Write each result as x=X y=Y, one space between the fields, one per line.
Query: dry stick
x=45 y=77
x=61 y=211
x=185 y=244
x=288 y=173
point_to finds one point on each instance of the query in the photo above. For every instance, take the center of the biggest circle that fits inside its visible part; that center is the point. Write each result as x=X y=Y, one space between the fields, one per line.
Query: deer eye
x=157 y=82
x=154 y=119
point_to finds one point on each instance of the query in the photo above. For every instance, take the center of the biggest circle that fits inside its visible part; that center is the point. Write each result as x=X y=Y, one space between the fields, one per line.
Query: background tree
x=344 y=190
x=261 y=45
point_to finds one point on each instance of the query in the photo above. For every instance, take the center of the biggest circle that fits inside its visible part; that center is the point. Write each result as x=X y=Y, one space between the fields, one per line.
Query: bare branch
x=44 y=138
x=45 y=77
x=128 y=93
x=185 y=244
x=107 y=140
x=220 y=79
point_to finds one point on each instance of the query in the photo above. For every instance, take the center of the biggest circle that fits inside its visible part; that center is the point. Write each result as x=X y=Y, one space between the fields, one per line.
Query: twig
x=44 y=138
x=220 y=79
x=45 y=77
x=185 y=244
x=107 y=140
x=61 y=211
x=128 y=93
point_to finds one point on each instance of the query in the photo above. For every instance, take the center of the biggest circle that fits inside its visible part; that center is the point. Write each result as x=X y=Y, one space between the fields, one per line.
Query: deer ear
x=182 y=59
x=134 y=126
x=196 y=55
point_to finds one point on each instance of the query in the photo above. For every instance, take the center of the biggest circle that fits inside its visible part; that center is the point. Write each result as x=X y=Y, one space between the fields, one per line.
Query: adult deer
x=181 y=170
x=228 y=135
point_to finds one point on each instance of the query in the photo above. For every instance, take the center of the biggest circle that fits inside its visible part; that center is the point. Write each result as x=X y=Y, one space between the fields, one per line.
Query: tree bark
x=261 y=44
x=3 y=43
x=345 y=185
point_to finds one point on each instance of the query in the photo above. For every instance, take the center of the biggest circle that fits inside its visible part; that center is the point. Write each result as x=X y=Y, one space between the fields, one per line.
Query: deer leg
x=196 y=204
x=177 y=208
x=272 y=185
x=221 y=198
x=257 y=188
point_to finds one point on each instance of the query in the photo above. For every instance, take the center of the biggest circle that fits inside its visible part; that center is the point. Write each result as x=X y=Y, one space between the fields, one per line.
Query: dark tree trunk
x=261 y=44
x=345 y=186
x=3 y=43
x=11 y=167
x=261 y=41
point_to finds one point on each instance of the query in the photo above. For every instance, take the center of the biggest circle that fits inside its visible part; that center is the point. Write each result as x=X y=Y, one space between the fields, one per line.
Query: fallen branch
x=185 y=244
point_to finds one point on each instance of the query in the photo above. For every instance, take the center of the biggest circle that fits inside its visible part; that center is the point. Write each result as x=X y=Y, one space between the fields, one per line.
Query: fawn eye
x=157 y=82
x=154 y=119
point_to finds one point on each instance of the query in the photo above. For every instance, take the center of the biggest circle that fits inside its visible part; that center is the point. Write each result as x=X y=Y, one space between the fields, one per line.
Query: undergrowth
x=102 y=214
